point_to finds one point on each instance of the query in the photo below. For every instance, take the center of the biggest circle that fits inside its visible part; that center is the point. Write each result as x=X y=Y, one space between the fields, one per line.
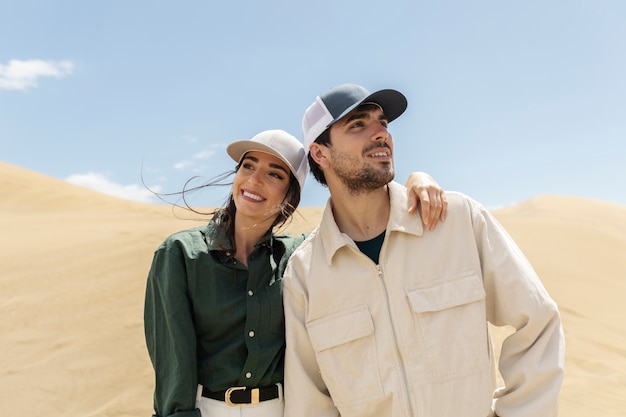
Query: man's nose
x=380 y=132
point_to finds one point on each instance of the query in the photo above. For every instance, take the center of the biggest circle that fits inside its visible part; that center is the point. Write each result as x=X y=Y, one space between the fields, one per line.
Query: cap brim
x=238 y=149
x=392 y=102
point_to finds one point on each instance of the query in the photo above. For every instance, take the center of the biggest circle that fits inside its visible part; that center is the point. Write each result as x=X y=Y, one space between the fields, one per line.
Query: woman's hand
x=423 y=189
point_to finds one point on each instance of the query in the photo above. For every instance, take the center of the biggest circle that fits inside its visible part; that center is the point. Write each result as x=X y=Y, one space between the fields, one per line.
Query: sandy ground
x=73 y=265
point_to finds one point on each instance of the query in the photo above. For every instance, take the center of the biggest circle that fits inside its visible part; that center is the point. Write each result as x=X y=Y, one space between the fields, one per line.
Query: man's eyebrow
x=356 y=116
x=364 y=114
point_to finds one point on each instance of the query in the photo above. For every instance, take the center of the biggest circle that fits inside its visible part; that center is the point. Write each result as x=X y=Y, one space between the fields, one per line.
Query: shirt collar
x=399 y=221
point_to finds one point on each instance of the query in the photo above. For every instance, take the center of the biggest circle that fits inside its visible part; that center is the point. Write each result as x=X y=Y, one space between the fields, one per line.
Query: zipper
x=402 y=373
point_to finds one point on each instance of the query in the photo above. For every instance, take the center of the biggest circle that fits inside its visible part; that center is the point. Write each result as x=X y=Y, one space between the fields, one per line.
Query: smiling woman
x=213 y=310
x=267 y=186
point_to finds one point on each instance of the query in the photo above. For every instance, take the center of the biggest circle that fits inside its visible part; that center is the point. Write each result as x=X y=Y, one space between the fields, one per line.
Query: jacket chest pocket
x=450 y=319
x=346 y=353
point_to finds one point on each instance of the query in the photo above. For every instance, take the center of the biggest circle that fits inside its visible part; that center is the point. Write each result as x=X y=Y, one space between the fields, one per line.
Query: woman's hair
x=225 y=215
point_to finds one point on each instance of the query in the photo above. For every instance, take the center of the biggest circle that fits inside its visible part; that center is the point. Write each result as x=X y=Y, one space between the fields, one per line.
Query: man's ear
x=318 y=153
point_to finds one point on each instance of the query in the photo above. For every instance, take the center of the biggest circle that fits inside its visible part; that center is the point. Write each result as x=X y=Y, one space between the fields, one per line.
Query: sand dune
x=73 y=265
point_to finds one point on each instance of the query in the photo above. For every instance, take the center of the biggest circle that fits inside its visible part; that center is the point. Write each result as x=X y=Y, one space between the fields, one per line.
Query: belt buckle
x=254 y=396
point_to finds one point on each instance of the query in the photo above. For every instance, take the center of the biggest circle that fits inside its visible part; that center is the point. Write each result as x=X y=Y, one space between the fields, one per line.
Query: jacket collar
x=399 y=221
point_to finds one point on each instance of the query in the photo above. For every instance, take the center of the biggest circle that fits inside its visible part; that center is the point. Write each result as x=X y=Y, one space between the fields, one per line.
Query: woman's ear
x=318 y=153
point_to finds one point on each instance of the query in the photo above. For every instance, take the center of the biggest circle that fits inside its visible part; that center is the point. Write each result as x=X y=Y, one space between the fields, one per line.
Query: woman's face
x=260 y=186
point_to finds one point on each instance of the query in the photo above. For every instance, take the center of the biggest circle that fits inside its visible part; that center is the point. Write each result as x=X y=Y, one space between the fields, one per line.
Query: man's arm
x=305 y=391
x=532 y=358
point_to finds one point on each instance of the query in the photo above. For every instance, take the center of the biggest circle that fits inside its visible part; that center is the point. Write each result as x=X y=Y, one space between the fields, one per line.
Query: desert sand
x=73 y=266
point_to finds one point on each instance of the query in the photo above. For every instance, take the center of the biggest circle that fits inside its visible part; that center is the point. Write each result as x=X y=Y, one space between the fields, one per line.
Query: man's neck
x=361 y=216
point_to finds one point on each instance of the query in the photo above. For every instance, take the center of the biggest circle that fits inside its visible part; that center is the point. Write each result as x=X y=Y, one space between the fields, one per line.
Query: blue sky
x=507 y=99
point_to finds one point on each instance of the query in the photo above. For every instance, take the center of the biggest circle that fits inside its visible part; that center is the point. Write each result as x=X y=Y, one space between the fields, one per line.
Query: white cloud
x=182 y=165
x=101 y=183
x=22 y=75
x=190 y=163
x=204 y=154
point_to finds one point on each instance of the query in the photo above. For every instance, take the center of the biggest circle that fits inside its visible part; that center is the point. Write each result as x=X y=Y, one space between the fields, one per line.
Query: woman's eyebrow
x=272 y=164
x=253 y=158
x=277 y=166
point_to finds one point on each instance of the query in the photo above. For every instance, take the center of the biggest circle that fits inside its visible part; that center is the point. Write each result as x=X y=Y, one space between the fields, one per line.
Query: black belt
x=243 y=395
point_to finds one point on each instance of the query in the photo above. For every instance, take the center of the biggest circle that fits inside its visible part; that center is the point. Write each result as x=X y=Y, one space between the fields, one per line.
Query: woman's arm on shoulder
x=423 y=190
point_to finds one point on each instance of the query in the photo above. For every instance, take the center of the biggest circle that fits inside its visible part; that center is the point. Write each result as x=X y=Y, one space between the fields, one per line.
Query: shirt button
x=248 y=375
x=250 y=293
x=251 y=333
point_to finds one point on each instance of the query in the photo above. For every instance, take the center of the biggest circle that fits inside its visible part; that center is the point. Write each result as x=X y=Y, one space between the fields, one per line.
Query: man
x=384 y=318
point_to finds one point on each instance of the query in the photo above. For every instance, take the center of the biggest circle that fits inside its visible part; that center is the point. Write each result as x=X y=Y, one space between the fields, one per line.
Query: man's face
x=361 y=149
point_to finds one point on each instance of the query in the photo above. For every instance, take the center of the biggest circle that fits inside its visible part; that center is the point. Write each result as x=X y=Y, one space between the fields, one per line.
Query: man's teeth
x=252 y=196
x=380 y=154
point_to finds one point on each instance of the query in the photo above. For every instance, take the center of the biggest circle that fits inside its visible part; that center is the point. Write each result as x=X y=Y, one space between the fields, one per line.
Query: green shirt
x=210 y=320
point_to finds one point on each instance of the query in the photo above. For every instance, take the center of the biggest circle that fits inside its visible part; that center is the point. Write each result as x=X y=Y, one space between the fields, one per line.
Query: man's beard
x=360 y=179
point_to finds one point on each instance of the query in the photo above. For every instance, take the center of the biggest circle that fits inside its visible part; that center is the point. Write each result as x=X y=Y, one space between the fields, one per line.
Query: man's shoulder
x=291 y=243
x=454 y=197
x=465 y=208
x=305 y=247
x=460 y=200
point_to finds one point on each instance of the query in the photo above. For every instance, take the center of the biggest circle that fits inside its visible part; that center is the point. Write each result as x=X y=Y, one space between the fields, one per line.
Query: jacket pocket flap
x=339 y=328
x=447 y=293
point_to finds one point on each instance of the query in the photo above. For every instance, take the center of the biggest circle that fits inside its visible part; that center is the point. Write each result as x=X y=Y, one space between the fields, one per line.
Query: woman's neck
x=247 y=235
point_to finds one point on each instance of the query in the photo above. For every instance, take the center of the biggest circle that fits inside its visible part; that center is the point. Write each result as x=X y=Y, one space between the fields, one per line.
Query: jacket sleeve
x=532 y=358
x=305 y=391
x=170 y=334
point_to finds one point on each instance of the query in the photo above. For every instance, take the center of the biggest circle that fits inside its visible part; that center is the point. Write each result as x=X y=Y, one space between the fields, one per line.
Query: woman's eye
x=276 y=175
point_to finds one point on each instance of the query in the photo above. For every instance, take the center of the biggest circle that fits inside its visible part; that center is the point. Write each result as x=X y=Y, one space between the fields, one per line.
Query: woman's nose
x=255 y=178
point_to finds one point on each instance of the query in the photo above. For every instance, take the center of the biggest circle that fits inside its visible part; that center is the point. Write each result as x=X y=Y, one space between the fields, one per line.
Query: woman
x=213 y=311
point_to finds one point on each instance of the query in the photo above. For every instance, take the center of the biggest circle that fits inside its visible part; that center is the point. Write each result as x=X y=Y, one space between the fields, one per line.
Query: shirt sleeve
x=170 y=334
x=305 y=391
x=532 y=358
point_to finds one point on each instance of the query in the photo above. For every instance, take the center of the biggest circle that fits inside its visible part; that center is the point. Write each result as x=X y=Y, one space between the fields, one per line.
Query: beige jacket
x=409 y=337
